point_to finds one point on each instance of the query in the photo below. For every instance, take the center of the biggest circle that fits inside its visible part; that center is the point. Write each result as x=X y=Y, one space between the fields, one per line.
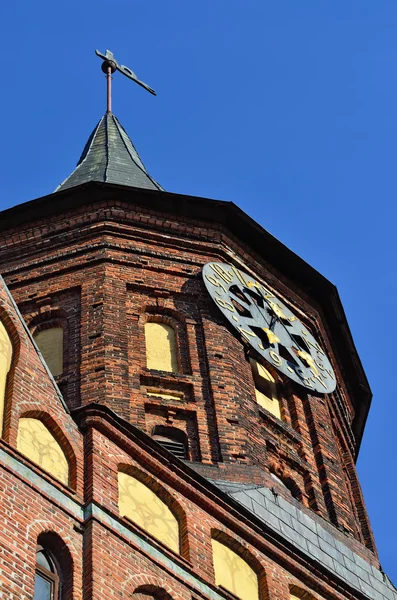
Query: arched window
x=289 y=485
x=265 y=388
x=50 y=344
x=173 y=439
x=140 y=504
x=161 y=350
x=37 y=443
x=54 y=568
x=5 y=365
x=233 y=573
x=150 y=592
x=47 y=580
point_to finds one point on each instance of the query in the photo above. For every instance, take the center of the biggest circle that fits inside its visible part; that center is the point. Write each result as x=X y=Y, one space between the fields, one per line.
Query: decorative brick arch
x=47 y=319
x=301 y=593
x=63 y=547
x=58 y=433
x=252 y=557
x=143 y=583
x=14 y=339
x=286 y=477
x=146 y=592
x=169 y=500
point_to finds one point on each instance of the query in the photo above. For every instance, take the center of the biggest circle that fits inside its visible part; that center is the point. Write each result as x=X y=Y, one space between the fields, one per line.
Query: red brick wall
x=109 y=267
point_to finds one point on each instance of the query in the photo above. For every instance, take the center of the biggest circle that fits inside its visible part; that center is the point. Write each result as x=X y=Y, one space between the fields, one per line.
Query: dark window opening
x=46 y=584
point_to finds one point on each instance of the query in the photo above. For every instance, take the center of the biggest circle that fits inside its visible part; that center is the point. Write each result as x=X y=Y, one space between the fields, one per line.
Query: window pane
x=144 y=507
x=5 y=364
x=50 y=343
x=161 y=351
x=36 y=442
x=43 y=561
x=42 y=588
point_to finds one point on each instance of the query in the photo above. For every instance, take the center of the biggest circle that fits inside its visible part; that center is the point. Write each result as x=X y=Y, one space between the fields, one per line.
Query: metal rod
x=109 y=89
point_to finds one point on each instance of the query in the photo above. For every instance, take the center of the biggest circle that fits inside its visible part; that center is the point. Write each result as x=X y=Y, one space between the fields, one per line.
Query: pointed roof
x=109 y=156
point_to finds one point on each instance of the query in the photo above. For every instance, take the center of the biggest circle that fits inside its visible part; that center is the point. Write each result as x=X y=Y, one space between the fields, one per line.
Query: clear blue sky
x=288 y=108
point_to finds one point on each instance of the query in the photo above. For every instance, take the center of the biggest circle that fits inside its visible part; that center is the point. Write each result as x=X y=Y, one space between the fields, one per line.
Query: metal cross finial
x=109 y=66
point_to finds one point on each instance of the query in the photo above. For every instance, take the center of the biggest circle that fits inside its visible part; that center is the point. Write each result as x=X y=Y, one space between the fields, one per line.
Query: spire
x=109 y=156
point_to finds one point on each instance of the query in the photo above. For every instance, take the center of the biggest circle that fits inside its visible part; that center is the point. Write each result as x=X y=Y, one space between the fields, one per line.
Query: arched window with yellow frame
x=5 y=366
x=161 y=347
x=265 y=388
x=36 y=441
x=144 y=507
x=233 y=573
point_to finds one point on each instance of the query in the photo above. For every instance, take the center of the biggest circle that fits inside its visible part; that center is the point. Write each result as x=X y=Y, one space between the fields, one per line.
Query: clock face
x=268 y=325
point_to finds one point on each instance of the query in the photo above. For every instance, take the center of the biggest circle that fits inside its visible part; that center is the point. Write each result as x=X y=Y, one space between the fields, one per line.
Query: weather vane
x=109 y=66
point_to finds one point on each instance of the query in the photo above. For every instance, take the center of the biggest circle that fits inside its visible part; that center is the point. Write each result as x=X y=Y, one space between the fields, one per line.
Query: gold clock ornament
x=267 y=325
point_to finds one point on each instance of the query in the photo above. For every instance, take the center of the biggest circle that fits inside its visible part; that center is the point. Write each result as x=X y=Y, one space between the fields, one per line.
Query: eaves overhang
x=243 y=227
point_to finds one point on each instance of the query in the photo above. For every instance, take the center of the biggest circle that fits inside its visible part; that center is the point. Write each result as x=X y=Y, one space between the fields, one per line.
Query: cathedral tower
x=181 y=401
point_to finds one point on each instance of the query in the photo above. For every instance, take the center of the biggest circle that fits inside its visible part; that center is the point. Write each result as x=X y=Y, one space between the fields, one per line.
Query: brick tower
x=164 y=434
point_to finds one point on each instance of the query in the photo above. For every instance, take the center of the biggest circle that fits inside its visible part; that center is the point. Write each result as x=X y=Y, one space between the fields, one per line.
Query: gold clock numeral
x=215 y=282
x=225 y=304
x=275 y=358
x=319 y=378
x=246 y=333
x=239 y=276
x=254 y=284
x=316 y=346
x=267 y=295
x=227 y=276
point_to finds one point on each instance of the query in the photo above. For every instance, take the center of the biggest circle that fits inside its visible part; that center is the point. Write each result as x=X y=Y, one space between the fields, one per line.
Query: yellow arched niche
x=265 y=388
x=144 y=507
x=37 y=443
x=5 y=365
x=50 y=343
x=234 y=573
x=161 y=351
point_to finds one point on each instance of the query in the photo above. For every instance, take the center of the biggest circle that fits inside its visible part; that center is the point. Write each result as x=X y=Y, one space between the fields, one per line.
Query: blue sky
x=286 y=108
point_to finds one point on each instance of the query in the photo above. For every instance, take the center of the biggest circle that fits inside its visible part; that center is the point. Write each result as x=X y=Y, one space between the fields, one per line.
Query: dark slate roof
x=311 y=538
x=109 y=156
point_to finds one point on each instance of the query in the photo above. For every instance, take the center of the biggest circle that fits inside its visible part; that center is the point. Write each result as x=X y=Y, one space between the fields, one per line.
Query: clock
x=268 y=325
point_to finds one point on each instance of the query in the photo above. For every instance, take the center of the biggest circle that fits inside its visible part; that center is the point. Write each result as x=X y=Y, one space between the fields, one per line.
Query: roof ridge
x=84 y=154
x=107 y=147
x=140 y=166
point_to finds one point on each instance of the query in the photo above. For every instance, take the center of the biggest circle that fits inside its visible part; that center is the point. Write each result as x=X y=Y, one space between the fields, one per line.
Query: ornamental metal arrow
x=109 y=66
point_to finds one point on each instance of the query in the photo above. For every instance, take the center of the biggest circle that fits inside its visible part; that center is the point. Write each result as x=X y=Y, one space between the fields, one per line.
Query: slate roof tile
x=109 y=156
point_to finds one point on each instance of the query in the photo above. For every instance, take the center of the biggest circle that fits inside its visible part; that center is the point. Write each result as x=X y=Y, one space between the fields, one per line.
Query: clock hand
x=309 y=360
x=252 y=308
x=305 y=356
x=278 y=315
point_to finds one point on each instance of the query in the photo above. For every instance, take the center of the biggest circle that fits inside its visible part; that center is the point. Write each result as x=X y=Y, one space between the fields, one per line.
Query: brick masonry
x=101 y=270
